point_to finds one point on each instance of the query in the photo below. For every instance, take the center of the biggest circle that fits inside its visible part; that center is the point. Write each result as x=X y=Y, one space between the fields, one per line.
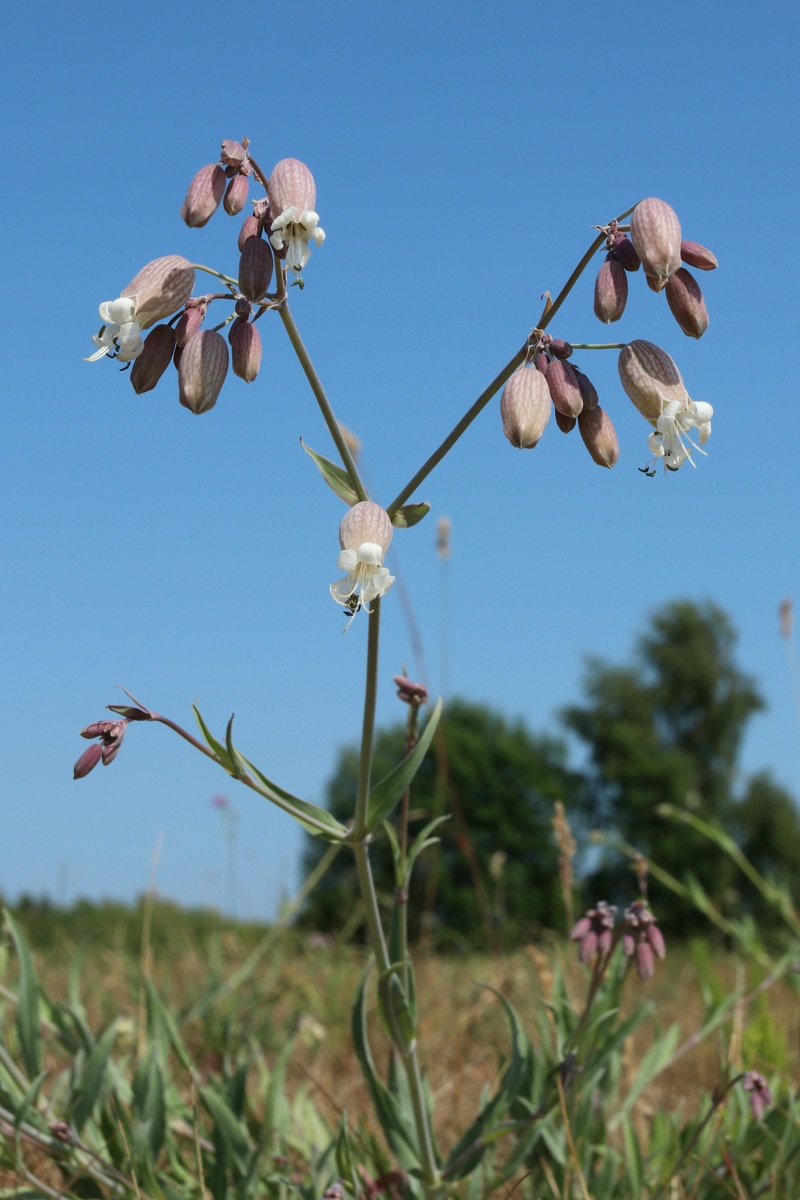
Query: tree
x=495 y=873
x=669 y=728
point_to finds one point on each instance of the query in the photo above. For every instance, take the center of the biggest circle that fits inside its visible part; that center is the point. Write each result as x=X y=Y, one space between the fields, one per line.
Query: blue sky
x=461 y=155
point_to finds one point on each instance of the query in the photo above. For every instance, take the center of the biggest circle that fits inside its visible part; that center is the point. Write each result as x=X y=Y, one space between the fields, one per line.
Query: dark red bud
x=87 y=761
x=189 y=323
x=249 y=229
x=625 y=253
x=235 y=196
x=202 y=370
x=698 y=256
x=610 y=291
x=563 y=384
x=541 y=363
x=687 y=304
x=153 y=361
x=203 y=197
x=565 y=424
x=245 y=343
x=559 y=348
x=255 y=268
x=588 y=391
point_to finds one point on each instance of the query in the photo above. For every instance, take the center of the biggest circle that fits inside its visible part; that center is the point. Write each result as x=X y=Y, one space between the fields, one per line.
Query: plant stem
x=217 y=274
x=549 y=311
x=322 y=401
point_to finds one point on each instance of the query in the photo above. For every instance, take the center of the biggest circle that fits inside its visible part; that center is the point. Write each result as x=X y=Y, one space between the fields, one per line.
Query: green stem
x=598 y=346
x=368 y=722
x=322 y=401
x=549 y=311
x=218 y=274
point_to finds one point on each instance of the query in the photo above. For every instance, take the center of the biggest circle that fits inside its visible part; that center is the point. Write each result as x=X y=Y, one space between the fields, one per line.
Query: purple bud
x=245 y=343
x=698 y=256
x=687 y=304
x=760 y=1093
x=249 y=229
x=541 y=362
x=588 y=390
x=202 y=370
x=233 y=154
x=235 y=196
x=409 y=692
x=560 y=349
x=642 y=938
x=610 y=291
x=594 y=931
x=87 y=761
x=190 y=321
x=563 y=384
x=255 y=268
x=644 y=961
x=204 y=195
x=154 y=359
x=625 y=253
x=565 y=424
x=599 y=436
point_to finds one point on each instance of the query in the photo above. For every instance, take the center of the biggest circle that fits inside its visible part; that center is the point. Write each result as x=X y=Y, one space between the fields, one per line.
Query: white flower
x=364 y=535
x=673 y=426
x=120 y=335
x=296 y=230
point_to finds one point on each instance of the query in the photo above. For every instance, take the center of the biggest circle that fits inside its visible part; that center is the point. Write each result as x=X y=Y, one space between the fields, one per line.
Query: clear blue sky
x=462 y=154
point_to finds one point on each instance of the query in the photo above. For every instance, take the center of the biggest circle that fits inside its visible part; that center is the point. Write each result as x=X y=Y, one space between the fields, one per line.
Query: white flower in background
x=364 y=535
x=295 y=224
x=121 y=335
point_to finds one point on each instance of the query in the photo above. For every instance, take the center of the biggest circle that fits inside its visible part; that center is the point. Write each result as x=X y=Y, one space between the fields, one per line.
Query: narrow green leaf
x=652 y=1062
x=386 y=795
x=318 y=821
x=236 y=763
x=149 y=1105
x=335 y=477
x=229 y=1128
x=633 y=1157
x=211 y=741
x=163 y=1023
x=30 y=1036
x=410 y=514
x=28 y=1101
x=344 y=1158
x=90 y=1082
x=423 y=838
x=276 y=1108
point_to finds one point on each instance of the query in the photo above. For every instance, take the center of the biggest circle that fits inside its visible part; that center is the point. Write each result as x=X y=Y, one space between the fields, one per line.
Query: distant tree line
x=666 y=727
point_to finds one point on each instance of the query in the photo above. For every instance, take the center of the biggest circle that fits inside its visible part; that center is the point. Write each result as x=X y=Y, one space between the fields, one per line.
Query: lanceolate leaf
x=318 y=821
x=385 y=796
x=30 y=1037
x=335 y=477
x=89 y=1085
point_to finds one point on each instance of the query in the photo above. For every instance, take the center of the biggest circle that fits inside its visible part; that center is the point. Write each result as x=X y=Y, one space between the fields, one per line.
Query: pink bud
x=365 y=522
x=87 y=761
x=154 y=359
x=411 y=693
x=190 y=321
x=291 y=185
x=245 y=343
x=560 y=349
x=525 y=407
x=565 y=424
x=203 y=197
x=160 y=288
x=698 y=256
x=656 y=237
x=235 y=196
x=255 y=268
x=563 y=384
x=202 y=370
x=687 y=304
x=610 y=291
x=233 y=154
x=541 y=362
x=249 y=229
x=599 y=436
x=644 y=961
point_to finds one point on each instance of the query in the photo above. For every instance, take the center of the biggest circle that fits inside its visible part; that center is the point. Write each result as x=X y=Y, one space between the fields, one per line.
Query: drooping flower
x=121 y=335
x=364 y=536
x=295 y=224
x=654 y=384
x=110 y=735
x=160 y=288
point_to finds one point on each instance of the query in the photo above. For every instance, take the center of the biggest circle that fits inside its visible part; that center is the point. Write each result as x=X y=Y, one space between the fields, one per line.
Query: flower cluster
x=656 y=244
x=641 y=938
x=527 y=397
x=594 y=932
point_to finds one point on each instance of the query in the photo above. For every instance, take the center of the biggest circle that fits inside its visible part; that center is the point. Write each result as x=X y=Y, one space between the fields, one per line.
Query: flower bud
x=233 y=154
x=687 y=304
x=202 y=370
x=760 y=1093
x=235 y=196
x=255 y=268
x=190 y=321
x=541 y=362
x=560 y=349
x=565 y=424
x=625 y=253
x=610 y=291
x=588 y=390
x=562 y=381
x=249 y=229
x=154 y=359
x=245 y=343
x=650 y=378
x=291 y=185
x=87 y=761
x=160 y=288
x=656 y=237
x=599 y=436
x=203 y=197
x=698 y=256
x=595 y=931
x=525 y=407
x=415 y=694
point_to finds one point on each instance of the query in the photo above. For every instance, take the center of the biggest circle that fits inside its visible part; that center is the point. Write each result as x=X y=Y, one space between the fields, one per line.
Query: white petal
x=348 y=560
x=368 y=552
x=701 y=411
x=119 y=310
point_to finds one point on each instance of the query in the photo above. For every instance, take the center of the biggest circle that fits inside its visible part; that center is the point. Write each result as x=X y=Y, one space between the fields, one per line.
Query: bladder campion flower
x=292 y=196
x=364 y=535
x=654 y=384
x=160 y=288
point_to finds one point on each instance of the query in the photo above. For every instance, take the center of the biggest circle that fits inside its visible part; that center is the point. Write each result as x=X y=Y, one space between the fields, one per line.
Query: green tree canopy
x=669 y=728
x=496 y=865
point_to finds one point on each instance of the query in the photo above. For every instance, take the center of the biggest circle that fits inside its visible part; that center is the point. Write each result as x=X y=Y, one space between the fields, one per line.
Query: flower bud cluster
x=525 y=403
x=759 y=1091
x=641 y=938
x=225 y=182
x=594 y=932
x=655 y=243
x=105 y=750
